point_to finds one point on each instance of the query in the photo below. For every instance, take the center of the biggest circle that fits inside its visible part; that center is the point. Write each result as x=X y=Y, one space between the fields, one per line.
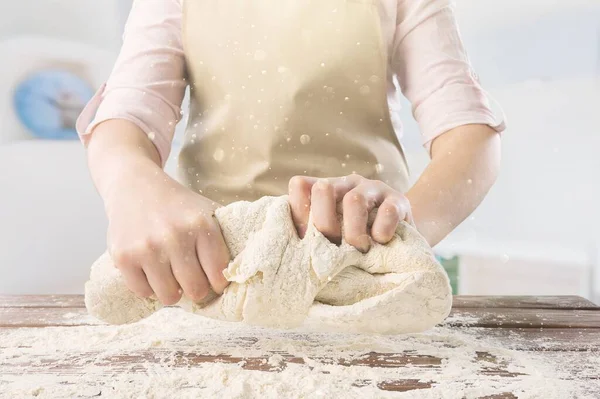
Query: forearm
x=119 y=150
x=464 y=166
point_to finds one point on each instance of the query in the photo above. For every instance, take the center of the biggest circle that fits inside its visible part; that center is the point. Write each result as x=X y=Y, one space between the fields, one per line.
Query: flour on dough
x=281 y=281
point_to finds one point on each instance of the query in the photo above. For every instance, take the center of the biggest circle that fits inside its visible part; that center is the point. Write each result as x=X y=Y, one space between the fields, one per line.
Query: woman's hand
x=359 y=196
x=161 y=235
x=163 y=238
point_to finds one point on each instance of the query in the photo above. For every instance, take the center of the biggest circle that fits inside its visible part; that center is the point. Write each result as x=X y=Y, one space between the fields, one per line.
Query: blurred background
x=537 y=232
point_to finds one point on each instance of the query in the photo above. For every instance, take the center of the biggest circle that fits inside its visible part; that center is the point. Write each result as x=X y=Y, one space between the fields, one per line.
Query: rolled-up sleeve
x=434 y=72
x=147 y=84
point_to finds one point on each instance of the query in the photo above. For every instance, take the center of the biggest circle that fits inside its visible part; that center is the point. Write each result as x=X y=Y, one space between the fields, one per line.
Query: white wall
x=541 y=65
x=94 y=22
x=52 y=225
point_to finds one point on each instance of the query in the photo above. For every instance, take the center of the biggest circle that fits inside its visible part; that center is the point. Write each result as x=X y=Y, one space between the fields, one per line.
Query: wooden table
x=551 y=328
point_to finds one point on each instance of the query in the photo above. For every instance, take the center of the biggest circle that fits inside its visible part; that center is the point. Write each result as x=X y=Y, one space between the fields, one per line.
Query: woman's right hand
x=161 y=235
x=164 y=239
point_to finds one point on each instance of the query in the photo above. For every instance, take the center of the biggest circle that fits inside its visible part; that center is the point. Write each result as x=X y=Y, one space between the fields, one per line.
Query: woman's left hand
x=359 y=196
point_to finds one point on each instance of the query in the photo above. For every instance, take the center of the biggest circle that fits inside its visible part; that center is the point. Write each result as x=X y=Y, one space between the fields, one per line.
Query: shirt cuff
x=124 y=103
x=453 y=106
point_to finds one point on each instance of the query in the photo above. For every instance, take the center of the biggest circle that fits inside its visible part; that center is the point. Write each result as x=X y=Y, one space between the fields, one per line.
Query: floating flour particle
x=260 y=55
x=305 y=139
x=219 y=154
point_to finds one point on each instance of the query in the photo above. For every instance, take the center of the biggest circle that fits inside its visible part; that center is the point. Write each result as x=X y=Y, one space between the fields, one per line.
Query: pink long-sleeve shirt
x=147 y=84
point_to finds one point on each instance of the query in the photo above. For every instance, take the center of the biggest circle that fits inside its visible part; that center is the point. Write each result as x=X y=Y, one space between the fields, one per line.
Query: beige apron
x=282 y=88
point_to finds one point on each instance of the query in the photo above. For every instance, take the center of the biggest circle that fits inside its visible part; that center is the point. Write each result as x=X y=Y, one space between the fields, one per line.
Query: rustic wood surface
x=545 y=325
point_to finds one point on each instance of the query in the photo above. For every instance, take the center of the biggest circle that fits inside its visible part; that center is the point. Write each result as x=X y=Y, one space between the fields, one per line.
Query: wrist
x=117 y=173
x=430 y=222
x=119 y=152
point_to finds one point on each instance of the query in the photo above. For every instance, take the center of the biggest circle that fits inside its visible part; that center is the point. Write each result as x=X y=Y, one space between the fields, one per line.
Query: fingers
x=359 y=197
x=161 y=279
x=136 y=281
x=357 y=205
x=299 y=198
x=188 y=272
x=214 y=256
x=394 y=209
x=188 y=258
x=319 y=196
x=130 y=263
x=199 y=257
x=323 y=203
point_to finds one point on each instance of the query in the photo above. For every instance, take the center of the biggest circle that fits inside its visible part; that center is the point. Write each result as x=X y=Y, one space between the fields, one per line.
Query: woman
x=284 y=94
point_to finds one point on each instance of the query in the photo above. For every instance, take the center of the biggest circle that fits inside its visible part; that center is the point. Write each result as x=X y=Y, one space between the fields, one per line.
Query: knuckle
x=298 y=184
x=197 y=222
x=402 y=204
x=205 y=223
x=143 y=247
x=374 y=188
x=121 y=258
x=377 y=183
x=130 y=255
x=164 y=235
x=355 y=199
x=405 y=204
x=323 y=187
x=355 y=178
x=390 y=208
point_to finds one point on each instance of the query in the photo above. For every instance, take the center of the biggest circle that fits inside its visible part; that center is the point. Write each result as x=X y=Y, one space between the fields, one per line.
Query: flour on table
x=161 y=357
x=281 y=281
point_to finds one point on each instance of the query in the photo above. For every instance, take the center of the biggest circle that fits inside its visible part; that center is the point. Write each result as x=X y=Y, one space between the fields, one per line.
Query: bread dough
x=281 y=281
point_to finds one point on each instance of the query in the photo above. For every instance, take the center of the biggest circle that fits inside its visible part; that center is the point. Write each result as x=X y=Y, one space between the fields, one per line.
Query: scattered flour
x=313 y=293
x=279 y=280
x=275 y=360
x=162 y=357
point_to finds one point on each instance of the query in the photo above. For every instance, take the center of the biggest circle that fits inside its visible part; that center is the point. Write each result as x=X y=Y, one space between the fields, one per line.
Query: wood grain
x=42 y=301
x=141 y=362
x=45 y=317
x=525 y=318
x=555 y=329
x=523 y=302
x=460 y=301
x=460 y=317
x=540 y=339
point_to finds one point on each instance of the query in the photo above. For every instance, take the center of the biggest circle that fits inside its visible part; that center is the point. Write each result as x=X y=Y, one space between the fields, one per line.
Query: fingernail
x=302 y=232
x=365 y=244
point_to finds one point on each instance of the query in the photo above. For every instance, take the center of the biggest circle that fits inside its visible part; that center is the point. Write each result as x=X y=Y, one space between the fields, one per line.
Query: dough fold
x=281 y=281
